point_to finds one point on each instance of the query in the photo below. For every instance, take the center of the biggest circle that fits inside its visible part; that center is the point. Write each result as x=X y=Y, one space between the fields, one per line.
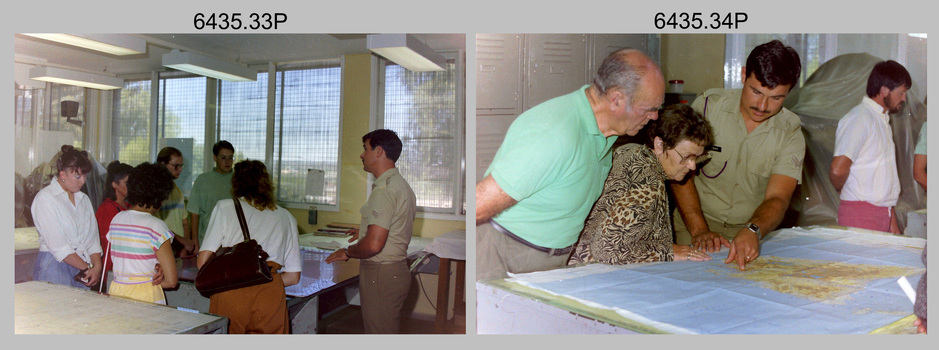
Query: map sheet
x=806 y=281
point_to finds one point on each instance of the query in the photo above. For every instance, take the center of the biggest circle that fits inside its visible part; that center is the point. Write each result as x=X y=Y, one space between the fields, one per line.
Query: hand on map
x=339 y=255
x=684 y=252
x=709 y=242
x=354 y=232
x=920 y=325
x=744 y=248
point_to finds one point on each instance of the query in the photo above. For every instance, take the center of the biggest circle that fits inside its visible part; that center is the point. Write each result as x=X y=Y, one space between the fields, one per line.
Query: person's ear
x=379 y=150
x=658 y=145
x=884 y=91
x=743 y=75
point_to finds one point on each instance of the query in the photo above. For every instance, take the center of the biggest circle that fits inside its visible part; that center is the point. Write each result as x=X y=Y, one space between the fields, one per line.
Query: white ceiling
x=246 y=49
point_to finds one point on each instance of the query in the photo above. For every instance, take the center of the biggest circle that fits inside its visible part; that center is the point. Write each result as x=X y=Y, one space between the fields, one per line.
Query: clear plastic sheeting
x=27 y=188
x=837 y=86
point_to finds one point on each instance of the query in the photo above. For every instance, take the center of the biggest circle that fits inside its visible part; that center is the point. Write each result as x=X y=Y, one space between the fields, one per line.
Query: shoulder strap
x=241 y=219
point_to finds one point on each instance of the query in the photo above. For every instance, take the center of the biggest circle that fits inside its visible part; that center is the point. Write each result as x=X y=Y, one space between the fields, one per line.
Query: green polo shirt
x=208 y=189
x=553 y=161
x=733 y=184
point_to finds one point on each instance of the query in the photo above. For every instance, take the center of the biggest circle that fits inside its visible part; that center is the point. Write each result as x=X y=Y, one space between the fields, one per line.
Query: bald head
x=626 y=70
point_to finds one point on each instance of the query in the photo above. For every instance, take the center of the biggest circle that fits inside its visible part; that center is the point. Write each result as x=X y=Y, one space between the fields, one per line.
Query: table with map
x=816 y=280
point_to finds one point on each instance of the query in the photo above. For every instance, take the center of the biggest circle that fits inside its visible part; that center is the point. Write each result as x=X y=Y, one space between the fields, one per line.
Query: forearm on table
x=771 y=211
x=769 y=214
x=689 y=206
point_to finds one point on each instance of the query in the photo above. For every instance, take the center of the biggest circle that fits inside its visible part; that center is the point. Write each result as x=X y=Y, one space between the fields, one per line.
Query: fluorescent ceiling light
x=207 y=66
x=115 y=44
x=406 y=51
x=71 y=77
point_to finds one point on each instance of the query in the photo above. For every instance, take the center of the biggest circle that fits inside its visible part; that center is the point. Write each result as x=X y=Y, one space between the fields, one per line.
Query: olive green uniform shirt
x=733 y=183
x=392 y=206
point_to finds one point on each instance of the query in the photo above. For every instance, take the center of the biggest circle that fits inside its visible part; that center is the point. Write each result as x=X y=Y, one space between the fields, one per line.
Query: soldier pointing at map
x=743 y=192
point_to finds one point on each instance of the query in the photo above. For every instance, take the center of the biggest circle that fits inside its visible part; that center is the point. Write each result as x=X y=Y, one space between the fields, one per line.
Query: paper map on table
x=805 y=282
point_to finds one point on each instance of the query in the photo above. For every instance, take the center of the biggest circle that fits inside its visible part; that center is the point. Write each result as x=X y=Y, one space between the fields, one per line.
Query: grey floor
x=349 y=321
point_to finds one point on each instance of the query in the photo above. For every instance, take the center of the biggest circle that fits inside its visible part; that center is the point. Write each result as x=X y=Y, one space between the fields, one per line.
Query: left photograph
x=240 y=183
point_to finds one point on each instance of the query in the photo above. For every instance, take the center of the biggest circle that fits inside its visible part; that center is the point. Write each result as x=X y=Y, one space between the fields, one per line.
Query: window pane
x=421 y=107
x=130 y=128
x=242 y=111
x=307 y=116
x=182 y=115
x=27 y=108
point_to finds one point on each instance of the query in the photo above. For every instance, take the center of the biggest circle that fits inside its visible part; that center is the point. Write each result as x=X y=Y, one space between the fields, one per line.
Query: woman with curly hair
x=630 y=222
x=140 y=240
x=115 y=192
x=69 y=250
x=261 y=308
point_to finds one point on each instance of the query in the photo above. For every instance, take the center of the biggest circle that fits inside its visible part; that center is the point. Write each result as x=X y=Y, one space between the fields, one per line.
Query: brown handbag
x=243 y=265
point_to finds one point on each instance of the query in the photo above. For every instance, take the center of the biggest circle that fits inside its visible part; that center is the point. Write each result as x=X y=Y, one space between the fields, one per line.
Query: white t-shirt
x=275 y=231
x=864 y=136
x=135 y=237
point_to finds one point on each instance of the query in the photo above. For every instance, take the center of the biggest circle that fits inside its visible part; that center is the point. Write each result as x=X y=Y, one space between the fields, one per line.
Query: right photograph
x=701 y=183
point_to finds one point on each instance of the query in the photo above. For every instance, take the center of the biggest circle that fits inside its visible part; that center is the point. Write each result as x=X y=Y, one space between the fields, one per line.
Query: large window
x=426 y=110
x=130 y=126
x=306 y=115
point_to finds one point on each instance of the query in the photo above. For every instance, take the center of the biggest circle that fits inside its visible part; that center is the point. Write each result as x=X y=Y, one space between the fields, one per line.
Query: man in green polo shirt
x=210 y=187
x=756 y=162
x=551 y=166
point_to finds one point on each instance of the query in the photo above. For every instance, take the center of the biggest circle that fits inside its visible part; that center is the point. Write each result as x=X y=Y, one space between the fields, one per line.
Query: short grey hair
x=622 y=70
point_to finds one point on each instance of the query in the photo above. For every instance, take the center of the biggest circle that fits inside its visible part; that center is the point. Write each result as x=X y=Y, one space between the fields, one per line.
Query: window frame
x=376 y=121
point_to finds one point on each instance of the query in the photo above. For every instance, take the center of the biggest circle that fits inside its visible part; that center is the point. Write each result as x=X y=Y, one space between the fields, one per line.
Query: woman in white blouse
x=69 y=249
x=261 y=308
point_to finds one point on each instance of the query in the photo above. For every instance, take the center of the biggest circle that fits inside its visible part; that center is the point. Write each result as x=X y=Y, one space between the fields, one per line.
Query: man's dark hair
x=222 y=145
x=386 y=139
x=774 y=64
x=149 y=185
x=890 y=74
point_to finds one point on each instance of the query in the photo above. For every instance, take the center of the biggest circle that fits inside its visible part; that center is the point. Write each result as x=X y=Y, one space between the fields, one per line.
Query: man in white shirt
x=864 y=167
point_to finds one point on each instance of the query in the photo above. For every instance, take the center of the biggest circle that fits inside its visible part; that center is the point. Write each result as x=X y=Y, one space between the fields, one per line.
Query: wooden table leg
x=443 y=295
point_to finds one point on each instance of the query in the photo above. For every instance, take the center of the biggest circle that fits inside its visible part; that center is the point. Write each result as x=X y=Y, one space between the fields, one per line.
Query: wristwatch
x=756 y=229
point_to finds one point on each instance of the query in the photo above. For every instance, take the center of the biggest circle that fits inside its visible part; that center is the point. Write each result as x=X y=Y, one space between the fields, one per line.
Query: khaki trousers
x=498 y=254
x=383 y=288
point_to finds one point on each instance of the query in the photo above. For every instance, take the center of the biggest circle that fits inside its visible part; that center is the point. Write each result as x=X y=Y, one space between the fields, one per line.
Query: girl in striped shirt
x=140 y=241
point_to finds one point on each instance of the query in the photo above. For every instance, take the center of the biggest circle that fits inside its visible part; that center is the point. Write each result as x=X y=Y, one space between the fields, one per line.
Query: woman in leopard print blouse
x=630 y=222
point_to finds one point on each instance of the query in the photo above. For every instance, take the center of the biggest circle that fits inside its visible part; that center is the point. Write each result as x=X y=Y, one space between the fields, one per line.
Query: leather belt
x=550 y=251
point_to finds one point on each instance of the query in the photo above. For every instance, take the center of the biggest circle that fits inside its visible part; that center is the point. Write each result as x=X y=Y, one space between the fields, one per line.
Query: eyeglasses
x=177 y=166
x=693 y=158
